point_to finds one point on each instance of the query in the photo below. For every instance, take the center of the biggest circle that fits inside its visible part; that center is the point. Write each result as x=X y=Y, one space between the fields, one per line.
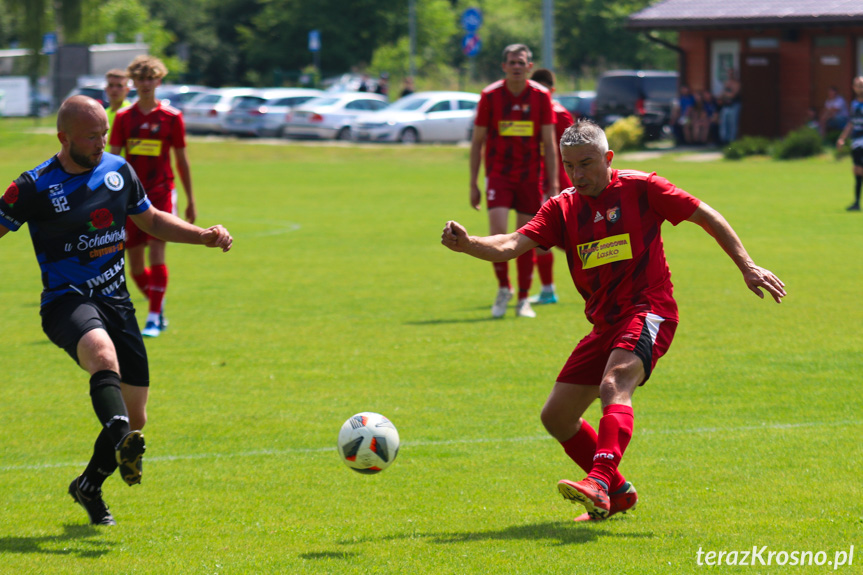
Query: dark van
x=648 y=94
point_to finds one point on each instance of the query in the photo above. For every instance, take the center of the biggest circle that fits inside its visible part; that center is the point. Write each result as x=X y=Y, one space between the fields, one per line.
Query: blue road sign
x=471 y=20
x=49 y=43
x=314 y=41
x=471 y=45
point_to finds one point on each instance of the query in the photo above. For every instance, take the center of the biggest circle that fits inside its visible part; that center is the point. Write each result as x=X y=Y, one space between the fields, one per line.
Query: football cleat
x=130 y=452
x=544 y=297
x=94 y=505
x=151 y=329
x=523 y=309
x=500 y=302
x=163 y=322
x=589 y=493
x=855 y=207
x=621 y=501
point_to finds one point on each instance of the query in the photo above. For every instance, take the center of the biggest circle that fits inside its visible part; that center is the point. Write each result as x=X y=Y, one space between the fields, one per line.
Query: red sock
x=142 y=280
x=501 y=270
x=545 y=265
x=524 y=263
x=615 y=431
x=158 y=286
x=581 y=448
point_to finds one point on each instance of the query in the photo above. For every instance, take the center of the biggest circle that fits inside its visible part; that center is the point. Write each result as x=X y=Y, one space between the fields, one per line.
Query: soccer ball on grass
x=368 y=442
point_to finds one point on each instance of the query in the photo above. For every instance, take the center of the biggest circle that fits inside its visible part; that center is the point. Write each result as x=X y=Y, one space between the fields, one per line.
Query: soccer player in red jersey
x=515 y=122
x=545 y=258
x=609 y=225
x=149 y=130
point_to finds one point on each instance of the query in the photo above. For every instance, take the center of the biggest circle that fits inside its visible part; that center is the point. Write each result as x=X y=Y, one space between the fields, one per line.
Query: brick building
x=787 y=53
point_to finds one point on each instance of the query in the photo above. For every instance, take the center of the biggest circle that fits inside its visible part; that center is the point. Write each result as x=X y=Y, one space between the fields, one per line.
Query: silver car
x=177 y=96
x=204 y=113
x=265 y=113
x=330 y=116
x=420 y=117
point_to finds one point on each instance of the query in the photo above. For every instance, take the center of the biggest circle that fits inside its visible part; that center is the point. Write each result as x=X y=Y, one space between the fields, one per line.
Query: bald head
x=79 y=109
x=82 y=126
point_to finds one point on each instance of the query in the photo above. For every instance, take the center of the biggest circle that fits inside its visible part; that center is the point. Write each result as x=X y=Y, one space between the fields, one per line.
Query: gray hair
x=515 y=49
x=584 y=132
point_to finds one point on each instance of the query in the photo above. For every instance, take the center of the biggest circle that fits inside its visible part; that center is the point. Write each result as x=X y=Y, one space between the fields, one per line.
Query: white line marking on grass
x=296 y=450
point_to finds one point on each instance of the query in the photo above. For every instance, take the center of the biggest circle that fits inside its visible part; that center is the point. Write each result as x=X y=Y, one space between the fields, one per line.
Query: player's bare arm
x=116 y=150
x=170 y=228
x=476 y=143
x=182 y=161
x=550 y=157
x=497 y=248
x=3 y=231
x=755 y=276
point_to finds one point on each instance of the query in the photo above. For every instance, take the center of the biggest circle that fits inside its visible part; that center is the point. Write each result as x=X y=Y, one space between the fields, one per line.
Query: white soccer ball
x=368 y=442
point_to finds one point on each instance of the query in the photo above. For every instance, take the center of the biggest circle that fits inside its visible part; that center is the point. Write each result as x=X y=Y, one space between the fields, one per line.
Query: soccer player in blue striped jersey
x=75 y=205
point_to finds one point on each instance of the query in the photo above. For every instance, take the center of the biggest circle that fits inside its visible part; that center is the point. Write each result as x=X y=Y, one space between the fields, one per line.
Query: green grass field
x=338 y=298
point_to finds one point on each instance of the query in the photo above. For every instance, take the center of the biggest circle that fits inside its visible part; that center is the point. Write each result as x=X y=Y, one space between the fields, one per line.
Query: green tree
x=591 y=36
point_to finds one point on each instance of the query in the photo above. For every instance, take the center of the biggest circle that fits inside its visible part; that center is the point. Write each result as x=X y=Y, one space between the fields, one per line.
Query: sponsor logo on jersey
x=55 y=191
x=114 y=181
x=11 y=195
x=101 y=219
x=605 y=251
x=613 y=214
x=515 y=128
x=142 y=147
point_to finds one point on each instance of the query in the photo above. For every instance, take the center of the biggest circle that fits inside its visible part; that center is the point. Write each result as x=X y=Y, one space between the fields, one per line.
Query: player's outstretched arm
x=755 y=276
x=497 y=248
x=170 y=228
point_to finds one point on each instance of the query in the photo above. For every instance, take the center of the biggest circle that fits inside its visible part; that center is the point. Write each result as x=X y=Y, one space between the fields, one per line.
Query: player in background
x=515 y=122
x=75 y=205
x=147 y=131
x=854 y=130
x=117 y=89
x=545 y=259
x=609 y=226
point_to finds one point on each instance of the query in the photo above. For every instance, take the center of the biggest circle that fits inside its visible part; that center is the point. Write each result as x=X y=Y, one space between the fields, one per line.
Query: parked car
x=265 y=113
x=350 y=83
x=97 y=92
x=647 y=94
x=177 y=96
x=205 y=112
x=330 y=116
x=579 y=103
x=423 y=116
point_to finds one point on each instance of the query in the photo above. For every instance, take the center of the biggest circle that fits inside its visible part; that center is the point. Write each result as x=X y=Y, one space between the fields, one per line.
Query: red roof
x=678 y=14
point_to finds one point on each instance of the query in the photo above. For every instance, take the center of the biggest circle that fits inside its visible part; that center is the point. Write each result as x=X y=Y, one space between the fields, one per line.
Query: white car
x=204 y=113
x=265 y=112
x=330 y=116
x=420 y=117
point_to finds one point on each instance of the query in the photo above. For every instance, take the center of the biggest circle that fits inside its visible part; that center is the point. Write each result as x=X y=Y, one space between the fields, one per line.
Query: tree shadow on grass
x=328 y=555
x=82 y=541
x=558 y=532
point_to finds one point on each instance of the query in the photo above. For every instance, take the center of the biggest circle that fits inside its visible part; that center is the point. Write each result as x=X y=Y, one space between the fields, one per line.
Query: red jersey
x=563 y=120
x=514 y=123
x=613 y=244
x=148 y=140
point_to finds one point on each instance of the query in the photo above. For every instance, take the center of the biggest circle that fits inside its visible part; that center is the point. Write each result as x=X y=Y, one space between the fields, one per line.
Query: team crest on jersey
x=612 y=214
x=114 y=181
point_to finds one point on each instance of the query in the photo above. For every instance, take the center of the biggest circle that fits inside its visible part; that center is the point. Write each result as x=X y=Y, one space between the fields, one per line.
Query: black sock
x=101 y=466
x=858 y=184
x=109 y=405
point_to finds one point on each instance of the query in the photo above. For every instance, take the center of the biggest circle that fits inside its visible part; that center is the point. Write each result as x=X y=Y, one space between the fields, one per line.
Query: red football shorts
x=166 y=202
x=646 y=335
x=523 y=197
